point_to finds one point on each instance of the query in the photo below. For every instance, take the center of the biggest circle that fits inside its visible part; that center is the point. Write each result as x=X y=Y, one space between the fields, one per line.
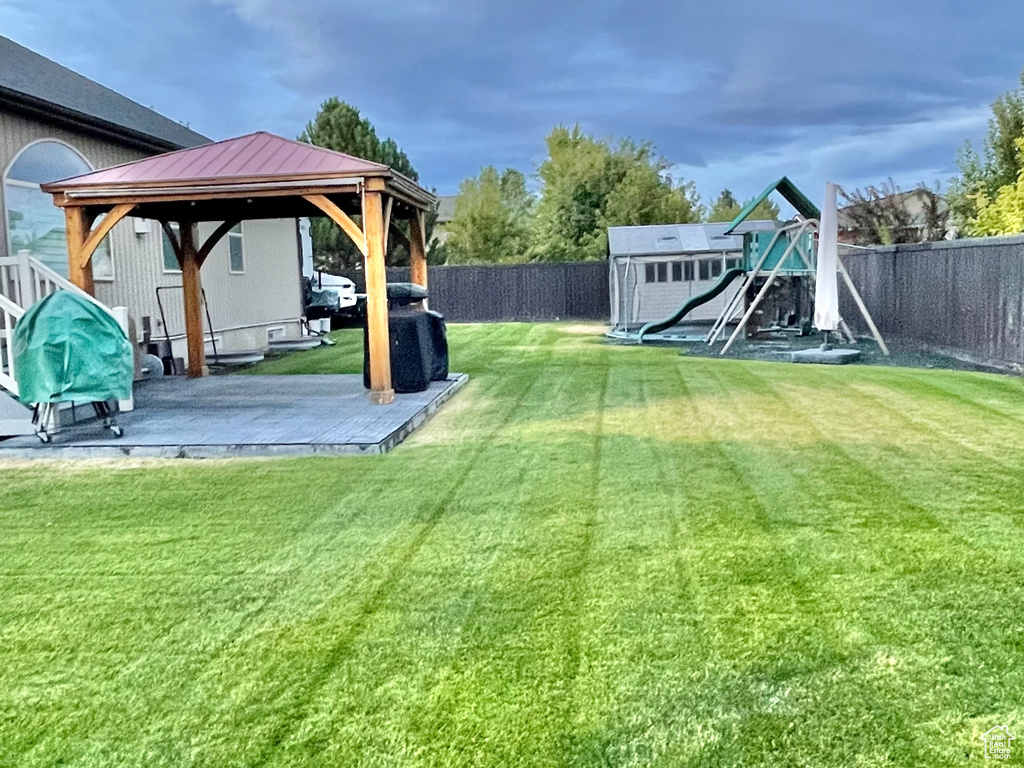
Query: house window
x=677 y=271
x=688 y=271
x=716 y=268
x=662 y=272
x=170 y=258
x=235 y=250
x=650 y=273
x=733 y=263
x=35 y=226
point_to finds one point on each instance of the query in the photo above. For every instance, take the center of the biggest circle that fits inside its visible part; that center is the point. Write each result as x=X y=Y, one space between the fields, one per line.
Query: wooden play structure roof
x=789 y=193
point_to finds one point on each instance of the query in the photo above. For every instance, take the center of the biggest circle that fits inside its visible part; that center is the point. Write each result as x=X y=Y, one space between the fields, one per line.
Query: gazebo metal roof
x=257 y=155
x=252 y=166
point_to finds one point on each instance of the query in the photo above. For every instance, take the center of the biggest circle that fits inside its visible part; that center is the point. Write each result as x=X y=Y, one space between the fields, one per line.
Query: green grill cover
x=67 y=348
x=324 y=299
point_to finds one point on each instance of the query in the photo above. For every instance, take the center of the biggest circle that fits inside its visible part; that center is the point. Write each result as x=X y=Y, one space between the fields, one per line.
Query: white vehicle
x=344 y=287
x=321 y=281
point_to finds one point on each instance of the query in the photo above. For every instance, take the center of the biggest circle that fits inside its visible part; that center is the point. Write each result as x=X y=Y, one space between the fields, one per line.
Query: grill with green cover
x=67 y=348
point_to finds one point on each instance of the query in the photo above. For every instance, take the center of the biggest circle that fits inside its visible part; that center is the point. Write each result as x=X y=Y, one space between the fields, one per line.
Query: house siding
x=241 y=306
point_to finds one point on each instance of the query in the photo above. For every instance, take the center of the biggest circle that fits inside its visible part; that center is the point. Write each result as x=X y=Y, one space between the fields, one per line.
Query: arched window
x=34 y=223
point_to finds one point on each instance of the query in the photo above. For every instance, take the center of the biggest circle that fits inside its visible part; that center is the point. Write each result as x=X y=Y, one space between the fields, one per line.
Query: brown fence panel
x=495 y=293
x=965 y=295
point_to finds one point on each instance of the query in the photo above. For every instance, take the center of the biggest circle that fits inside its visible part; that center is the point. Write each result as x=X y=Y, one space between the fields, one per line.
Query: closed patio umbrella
x=826 y=288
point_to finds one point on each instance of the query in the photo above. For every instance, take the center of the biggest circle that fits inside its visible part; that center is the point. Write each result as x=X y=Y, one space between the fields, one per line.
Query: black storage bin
x=419 y=350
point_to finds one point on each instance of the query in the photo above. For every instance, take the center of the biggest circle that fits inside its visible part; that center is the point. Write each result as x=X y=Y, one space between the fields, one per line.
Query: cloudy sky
x=736 y=94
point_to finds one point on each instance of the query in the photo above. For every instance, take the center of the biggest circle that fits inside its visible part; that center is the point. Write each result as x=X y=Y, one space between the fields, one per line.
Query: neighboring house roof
x=671 y=239
x=37 y=85
x=790 y=194
x=446 y=208
x=912 y=201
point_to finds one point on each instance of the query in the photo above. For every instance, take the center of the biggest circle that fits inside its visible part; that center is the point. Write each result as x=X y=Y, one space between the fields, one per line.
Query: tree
x=340 y=126
x=491 y=223
x=883 y=215
x=999 y=164
x=727 y=208
x=1003 y=215
x=588 y=185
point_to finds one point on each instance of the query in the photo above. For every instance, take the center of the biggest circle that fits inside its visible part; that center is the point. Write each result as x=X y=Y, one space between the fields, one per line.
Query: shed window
x=677 y=271
x=709 y=269
x=35 y=226
x=236 y=250
x=662 y=272
x=688 y=271
x=650 y=273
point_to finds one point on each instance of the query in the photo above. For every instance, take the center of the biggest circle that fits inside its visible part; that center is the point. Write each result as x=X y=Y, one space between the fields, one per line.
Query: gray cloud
x=732 y=92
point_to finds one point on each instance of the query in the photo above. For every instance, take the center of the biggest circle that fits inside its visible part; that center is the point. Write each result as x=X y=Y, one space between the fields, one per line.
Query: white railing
x=9 y=315
x=25 y=280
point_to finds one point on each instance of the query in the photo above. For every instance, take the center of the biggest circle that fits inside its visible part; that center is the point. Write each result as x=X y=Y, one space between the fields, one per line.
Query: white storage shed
x=653 y=269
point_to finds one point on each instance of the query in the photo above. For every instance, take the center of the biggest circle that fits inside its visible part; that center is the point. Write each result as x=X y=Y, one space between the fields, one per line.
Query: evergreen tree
x=340 y=126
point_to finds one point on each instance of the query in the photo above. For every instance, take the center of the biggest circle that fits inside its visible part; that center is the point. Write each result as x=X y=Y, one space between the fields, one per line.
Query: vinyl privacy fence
x=965 y=296
x=524 y=292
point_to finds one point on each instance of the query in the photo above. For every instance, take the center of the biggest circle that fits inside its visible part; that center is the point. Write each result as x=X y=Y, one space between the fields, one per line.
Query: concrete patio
x=223 y=416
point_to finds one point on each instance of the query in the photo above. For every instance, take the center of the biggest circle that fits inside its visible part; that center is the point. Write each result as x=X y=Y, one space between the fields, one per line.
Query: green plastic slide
x=691 y=304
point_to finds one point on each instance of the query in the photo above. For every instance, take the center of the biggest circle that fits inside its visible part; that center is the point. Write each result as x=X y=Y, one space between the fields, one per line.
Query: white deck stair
x=24 y=280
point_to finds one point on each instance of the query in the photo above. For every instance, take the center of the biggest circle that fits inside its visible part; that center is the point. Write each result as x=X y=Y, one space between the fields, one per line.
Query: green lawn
x=592 y=556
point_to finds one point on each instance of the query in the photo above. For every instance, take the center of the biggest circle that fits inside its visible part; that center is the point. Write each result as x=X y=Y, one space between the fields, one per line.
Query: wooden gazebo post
x=192 y=288
x=78 y=273
x=381 y=391
x=417 y=250
x=190 y=258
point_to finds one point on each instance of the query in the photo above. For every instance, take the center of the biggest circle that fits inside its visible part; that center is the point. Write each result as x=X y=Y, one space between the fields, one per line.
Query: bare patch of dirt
x=586 y=329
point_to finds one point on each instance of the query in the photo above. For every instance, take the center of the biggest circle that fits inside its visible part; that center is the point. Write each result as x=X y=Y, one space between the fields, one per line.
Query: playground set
x=779 y=267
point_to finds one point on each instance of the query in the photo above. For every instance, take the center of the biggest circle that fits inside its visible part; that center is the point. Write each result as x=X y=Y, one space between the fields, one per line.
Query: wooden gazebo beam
x=417 y=250
x=83 y=240
x=339 y=217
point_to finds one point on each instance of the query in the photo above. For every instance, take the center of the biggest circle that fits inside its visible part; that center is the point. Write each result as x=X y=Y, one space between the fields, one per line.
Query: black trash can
x=419 y=350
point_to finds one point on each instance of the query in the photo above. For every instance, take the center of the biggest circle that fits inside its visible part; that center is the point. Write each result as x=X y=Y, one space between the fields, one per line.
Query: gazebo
x=258 y=176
